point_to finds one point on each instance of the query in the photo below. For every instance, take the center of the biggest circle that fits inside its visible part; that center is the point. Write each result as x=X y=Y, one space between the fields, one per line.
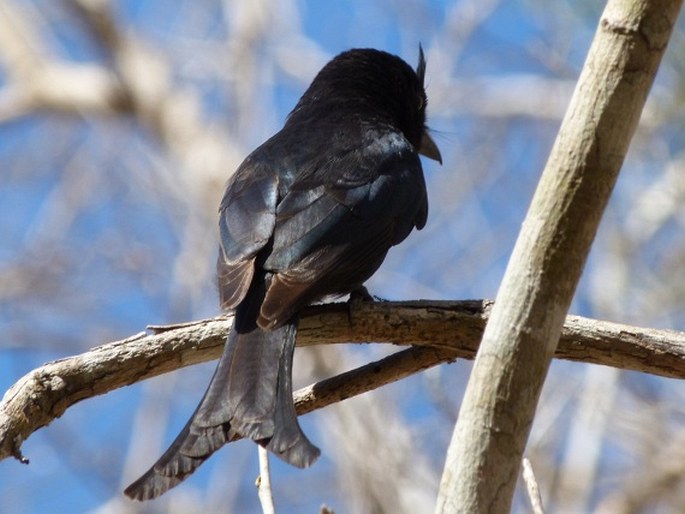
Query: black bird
x=310 y=213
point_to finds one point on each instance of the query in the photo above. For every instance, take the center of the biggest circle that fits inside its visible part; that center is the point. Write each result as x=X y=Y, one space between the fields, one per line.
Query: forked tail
x=250 y=395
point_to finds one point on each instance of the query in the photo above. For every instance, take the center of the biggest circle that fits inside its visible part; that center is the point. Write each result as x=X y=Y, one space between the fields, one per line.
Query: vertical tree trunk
x=484 y=457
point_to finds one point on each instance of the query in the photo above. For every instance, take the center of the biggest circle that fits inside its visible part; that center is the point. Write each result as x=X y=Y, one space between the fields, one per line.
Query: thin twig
x=263 y=482
x=532 y=487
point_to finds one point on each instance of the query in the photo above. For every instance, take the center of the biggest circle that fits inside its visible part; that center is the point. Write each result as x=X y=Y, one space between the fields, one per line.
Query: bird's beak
x=429 y=148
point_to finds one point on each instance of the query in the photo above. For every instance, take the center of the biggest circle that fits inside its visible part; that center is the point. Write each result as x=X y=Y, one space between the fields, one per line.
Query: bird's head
x=377 y=86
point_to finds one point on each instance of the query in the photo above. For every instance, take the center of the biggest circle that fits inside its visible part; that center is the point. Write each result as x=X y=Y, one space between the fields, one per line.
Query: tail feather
x=250 y=395
x=252 y=400
x=263 y=409
x=188 y=451
x=288 y=441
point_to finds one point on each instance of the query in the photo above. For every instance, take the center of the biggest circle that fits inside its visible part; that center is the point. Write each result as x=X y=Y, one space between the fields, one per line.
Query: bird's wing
x=246 y=224
x=333 y=230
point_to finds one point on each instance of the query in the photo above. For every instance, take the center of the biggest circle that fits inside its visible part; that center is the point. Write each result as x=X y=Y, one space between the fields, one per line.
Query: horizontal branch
x=440 y=331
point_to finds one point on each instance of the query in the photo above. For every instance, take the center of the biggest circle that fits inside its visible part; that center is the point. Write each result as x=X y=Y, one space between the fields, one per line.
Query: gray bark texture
x=484 y=457
x=438 y=332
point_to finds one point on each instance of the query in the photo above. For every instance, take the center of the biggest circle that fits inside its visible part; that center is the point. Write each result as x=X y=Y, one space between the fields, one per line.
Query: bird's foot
x=358 y=297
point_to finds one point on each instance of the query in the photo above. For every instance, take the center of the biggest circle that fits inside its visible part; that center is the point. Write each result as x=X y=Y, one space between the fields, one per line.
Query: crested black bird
x=310 y=213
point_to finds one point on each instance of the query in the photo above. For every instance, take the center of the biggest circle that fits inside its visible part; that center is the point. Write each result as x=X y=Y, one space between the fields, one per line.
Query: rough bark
x=439 y=332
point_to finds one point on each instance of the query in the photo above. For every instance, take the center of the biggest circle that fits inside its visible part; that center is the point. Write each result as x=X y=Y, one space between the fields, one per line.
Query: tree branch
x=263 y=483
x=440 y=331
x=548 y=258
